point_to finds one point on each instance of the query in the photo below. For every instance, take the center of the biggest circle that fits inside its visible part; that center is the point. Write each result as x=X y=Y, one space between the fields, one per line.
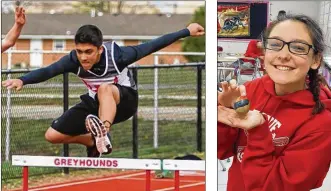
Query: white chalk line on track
x=183 y=186
x=163 y=180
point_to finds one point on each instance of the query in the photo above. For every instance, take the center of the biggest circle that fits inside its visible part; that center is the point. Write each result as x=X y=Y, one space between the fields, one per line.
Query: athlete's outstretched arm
x=64 y=65
x=129 y=54
x=15 y=31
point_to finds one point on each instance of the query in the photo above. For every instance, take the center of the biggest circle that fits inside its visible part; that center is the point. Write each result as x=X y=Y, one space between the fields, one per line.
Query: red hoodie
x=291 y=151
x=252 y=51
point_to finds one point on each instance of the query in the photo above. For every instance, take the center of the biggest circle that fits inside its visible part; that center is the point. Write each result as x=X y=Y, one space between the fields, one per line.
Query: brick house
x=53 y=32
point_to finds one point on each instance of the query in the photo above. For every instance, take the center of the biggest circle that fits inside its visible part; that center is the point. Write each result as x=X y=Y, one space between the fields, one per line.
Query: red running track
x=134 y=181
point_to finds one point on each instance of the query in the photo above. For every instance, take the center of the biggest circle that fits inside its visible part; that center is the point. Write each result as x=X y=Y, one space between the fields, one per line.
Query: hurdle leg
x=148 y=180
x=25 y=178
x=176 y=180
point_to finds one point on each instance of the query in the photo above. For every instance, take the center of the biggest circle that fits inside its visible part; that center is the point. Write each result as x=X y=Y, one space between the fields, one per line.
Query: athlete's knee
x=52 y=137
x=105 y=89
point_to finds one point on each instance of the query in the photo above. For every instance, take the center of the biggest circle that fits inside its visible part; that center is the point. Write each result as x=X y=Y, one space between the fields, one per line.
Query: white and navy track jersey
x=112 y=67
x=106 y=71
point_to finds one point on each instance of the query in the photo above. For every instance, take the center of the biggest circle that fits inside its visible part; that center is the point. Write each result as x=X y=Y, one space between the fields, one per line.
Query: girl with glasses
x=283 y=143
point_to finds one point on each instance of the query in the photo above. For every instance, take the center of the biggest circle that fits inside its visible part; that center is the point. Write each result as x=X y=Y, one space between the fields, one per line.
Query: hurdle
x=80 y=162
x=183 y=165
x=110 y=163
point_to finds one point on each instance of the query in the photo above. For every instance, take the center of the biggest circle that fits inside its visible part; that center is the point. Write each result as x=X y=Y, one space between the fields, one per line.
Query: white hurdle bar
x=80 y=162
x=184 y=165
x=110 y=163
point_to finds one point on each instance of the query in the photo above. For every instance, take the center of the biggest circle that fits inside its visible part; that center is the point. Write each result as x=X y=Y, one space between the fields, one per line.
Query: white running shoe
x=102 y=138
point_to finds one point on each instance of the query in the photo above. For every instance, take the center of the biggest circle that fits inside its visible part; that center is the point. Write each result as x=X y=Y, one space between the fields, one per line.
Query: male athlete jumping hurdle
x=112 y=93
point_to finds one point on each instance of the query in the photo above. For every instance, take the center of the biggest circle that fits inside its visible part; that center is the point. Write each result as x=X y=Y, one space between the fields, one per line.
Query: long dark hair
x=317 y=37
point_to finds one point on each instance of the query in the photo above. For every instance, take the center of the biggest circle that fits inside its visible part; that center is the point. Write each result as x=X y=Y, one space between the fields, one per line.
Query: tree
x=115 y=7
x=197 y=44
x=98 y=6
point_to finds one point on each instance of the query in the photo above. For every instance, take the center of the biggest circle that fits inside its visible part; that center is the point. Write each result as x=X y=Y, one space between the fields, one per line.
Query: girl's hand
x=230 y=117
x=230 y=93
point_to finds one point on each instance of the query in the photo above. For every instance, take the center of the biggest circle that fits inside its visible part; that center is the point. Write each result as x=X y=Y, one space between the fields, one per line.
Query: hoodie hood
x=302 y=97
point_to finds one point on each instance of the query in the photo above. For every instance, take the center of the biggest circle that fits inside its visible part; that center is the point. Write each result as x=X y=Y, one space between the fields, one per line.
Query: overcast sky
x=166 y=6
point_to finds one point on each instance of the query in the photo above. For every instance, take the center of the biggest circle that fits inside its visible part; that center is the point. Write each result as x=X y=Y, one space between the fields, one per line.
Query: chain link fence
x=27 y=114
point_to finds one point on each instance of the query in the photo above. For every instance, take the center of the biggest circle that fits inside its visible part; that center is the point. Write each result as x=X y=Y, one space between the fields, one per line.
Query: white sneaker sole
x=101 y=139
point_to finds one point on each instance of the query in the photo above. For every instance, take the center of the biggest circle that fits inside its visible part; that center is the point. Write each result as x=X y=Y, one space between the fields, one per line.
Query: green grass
x=172 y=82
x=145 y=76
x=72 y=101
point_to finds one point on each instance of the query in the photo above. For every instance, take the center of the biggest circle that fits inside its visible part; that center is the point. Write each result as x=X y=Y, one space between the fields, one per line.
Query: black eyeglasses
x=299 y=48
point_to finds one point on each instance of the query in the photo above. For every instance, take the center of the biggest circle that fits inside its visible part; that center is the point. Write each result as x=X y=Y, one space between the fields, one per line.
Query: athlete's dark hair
x=89 y=34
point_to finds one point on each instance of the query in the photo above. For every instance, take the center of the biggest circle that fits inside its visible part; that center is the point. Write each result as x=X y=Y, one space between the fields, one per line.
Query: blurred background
x=261 y=13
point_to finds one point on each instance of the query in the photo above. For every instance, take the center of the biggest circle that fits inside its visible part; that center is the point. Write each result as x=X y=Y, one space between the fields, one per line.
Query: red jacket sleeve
x=302 y=166
x=226 y=138
x=252 y=49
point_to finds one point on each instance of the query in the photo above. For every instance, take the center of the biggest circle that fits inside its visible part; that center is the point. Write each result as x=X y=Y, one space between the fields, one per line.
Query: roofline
x=117 y=37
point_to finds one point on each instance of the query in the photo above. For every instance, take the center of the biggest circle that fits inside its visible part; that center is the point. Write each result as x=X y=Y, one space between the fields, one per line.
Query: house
x=55 y=32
